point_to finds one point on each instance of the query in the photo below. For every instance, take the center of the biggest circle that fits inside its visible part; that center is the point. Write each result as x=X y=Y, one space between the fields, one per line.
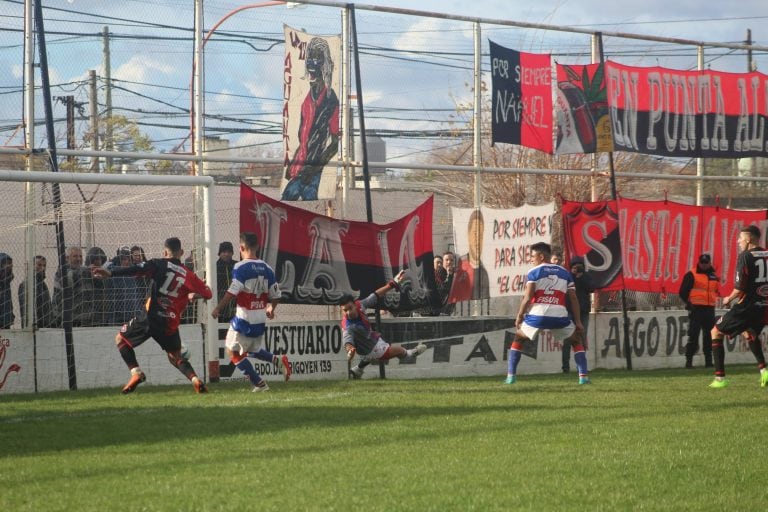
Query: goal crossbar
x=104 y=179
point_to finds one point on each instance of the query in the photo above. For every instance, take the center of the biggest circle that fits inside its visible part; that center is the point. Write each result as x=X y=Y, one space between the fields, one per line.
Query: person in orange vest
x=699 y=291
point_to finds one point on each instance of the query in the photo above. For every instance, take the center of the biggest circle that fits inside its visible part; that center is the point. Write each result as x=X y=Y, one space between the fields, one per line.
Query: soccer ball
x=185 y=352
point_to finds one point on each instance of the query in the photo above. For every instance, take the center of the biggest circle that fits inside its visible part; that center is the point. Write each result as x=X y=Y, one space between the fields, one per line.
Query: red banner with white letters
x=648 y=246
x=670 y=112
x=317 y=259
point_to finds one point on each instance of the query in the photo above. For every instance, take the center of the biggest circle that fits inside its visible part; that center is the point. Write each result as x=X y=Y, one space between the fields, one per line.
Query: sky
x=699 y=20
x=416 y=71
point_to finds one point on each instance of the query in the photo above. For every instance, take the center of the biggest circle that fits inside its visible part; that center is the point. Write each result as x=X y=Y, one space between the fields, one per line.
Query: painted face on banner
x=314 y=63
x=475 y=239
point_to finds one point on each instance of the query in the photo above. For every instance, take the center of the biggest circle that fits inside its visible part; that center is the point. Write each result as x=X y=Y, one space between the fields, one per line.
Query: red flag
x=318 y=259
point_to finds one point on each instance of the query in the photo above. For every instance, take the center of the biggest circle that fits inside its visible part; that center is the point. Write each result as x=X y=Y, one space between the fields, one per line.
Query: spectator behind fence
x=189 y=315
x=6 y=303
x=224 y=266
x=43 y=314
x=584 y=286
x=96 y=257
x=137 y=257
x=85 y=310
x=437 y=299
x=124 y=294
x=444 y=286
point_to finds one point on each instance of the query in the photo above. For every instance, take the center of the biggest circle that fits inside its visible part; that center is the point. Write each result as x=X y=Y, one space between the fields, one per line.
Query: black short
x=140 y=329
x=741 y=318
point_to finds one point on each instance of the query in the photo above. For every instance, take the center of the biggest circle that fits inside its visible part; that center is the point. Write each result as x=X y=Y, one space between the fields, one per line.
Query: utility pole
x=70 y=103
x=751 y=67
x=108 y=143
x=94 y=119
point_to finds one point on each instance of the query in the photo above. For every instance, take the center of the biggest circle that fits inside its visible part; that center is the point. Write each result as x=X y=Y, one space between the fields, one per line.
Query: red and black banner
x=581 y=110
x=648 y=246
x=703 y=114
x=521 y=91
x=317 y=259
x=591 y=230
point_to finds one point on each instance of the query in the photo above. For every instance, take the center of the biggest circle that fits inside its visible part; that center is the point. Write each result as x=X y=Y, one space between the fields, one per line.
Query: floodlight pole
x=210 y=326
x=29 y=141
x=614 y=196
x=477 y=149
x=347 y=173
x=700 y=161
x=51 y=135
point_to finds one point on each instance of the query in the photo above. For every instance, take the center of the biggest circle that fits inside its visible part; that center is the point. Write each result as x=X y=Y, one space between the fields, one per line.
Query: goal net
x=108 y=221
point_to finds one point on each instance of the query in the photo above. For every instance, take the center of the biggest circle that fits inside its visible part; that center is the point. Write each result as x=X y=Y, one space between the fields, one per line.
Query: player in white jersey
x=547 y=289
x=257 y=293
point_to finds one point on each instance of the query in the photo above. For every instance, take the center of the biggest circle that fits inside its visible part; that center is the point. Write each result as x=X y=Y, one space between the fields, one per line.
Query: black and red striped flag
x=521 y=89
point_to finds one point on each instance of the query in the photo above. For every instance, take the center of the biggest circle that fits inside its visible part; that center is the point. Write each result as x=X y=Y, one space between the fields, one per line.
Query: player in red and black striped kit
x=749 y=313
x=173 y=286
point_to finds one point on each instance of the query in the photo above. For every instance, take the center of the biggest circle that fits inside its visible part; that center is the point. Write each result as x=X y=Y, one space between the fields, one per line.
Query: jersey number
x=173 y=282
x=762 y=275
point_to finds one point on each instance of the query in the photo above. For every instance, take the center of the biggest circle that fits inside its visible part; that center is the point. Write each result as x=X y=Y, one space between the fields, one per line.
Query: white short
x=559 y=334
x=379 y=350
x=239 y=342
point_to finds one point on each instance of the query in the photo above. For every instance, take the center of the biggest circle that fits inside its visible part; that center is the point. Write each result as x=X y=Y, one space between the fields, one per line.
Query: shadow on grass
x=56 y=422
x=43 y=432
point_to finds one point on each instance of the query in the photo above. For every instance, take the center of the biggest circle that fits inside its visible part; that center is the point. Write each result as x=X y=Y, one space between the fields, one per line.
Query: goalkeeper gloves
x=399 y=279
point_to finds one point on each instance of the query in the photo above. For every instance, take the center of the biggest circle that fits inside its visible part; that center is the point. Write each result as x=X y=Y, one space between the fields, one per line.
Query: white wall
x=314 y=348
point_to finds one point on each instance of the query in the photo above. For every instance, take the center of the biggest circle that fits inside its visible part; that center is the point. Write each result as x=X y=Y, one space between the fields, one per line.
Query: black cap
x=577 y=260
x=226 y=247
x=704 y=258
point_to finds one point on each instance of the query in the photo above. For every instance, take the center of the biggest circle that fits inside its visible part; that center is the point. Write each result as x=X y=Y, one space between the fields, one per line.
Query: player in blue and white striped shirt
x=257 y=293
x=547 y=289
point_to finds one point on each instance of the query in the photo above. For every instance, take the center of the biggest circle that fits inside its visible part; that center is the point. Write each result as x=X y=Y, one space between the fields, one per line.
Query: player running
x=255 y=288
x=173 y=286
x=358 y=336
x=749 y=313
x=543 y=307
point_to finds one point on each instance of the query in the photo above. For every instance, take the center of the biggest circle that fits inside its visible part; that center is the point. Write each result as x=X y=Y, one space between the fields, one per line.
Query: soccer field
x=650 y=440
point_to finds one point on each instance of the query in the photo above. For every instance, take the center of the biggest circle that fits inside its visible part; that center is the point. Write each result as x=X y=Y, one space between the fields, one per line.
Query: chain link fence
x=122 y=76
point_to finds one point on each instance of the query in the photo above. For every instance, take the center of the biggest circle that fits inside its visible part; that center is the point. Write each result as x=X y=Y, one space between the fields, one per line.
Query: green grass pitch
x=642 y=440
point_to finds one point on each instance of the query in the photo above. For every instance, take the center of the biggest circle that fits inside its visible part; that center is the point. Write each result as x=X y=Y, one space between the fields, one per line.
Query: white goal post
x=29 y=214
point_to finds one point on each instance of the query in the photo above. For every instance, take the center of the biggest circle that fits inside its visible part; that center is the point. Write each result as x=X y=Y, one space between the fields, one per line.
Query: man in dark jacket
x=582 y=280
x=6 y=304
x=224 y=266
x=699 y=291
x=43 y=313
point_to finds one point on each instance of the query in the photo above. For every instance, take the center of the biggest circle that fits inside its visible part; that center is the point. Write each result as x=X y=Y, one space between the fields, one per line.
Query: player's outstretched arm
x=225 y=300
x=392 y=284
